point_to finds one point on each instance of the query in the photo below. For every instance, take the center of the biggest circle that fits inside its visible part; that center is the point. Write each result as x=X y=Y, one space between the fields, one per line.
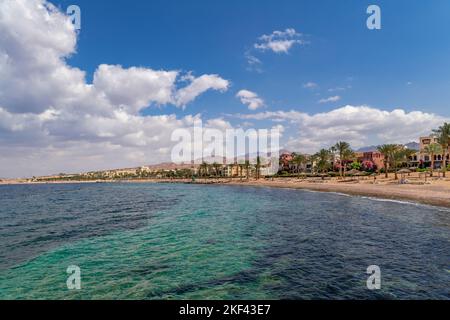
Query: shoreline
x=380 y=192
x=436 y=194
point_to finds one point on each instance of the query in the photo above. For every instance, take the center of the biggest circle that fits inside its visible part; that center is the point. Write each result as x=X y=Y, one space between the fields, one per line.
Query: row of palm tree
x=345 y=153
x=394 y=155
x=300 y=161
x=323 y=160
x=205 y=169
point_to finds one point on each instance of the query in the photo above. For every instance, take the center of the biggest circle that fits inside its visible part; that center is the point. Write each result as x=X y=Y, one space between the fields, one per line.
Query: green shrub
x=356 y=165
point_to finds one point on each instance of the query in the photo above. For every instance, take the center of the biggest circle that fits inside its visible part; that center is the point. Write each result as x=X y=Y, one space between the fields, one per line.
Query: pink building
x=375 y=157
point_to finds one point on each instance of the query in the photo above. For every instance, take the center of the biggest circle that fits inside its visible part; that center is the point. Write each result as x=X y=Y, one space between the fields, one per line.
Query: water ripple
x=139 y=241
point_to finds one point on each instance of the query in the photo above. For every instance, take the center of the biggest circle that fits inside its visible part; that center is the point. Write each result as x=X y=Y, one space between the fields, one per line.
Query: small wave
x=332 y=192
x=393 y=200
x=416 y=204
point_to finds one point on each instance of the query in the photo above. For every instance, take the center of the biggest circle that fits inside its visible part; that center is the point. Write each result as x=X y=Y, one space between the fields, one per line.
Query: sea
x=147 y=241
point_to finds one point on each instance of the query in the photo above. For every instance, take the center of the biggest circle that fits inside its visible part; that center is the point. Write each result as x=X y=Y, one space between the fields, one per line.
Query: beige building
x=422 y=159
x=234 y=170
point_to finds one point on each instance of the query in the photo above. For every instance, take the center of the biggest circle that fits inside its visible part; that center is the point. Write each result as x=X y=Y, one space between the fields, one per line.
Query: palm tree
x=210 y=169
x=241 y=169
x=204 y=169
x=258 y=167
x=247 y=168
x=386 y=150
x=432 y=150
x=299 y=160
x=333 y=149
x=313 y=161
x=343 y=149
x=398 y=156
x=323 y=160
x=347 y=155
x=409 y=153
x=216 y=167
x=443 y=134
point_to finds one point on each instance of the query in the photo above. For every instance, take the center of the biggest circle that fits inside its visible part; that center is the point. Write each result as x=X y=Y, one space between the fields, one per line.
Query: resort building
x=267 y=168
x=232 y=170
x=375 y=157
x=423 y=159
x=286 y=162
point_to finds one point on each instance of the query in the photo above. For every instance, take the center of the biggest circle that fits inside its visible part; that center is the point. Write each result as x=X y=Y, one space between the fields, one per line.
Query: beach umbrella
x=404 y=172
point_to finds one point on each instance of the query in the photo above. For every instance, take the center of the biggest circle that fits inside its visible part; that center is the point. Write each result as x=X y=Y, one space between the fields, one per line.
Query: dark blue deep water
x=157 y=241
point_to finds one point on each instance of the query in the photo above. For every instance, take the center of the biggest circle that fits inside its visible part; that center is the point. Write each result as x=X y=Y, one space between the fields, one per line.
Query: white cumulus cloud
x=310 y=85
x=279 y=41
x=198 y=86
x=330 y=99
x=250 y=99
x=52 y=119
x=134 y=88
x=359 y=125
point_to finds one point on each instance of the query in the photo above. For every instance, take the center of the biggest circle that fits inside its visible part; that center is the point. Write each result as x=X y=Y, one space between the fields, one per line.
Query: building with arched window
x=422 y=159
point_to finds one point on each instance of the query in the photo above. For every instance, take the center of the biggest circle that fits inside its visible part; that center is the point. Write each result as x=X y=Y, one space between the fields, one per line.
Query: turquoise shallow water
x=155 y=241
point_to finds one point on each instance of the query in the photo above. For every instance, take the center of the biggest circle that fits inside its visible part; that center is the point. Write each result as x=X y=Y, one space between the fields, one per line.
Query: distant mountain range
x=411 y=145
x=211 y=160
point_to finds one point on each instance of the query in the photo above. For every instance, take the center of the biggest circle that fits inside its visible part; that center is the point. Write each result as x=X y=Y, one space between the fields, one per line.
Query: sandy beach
x=435 y=191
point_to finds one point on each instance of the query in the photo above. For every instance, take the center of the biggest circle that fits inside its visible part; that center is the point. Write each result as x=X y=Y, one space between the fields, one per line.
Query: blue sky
x=403 y=65
x=112 y=95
